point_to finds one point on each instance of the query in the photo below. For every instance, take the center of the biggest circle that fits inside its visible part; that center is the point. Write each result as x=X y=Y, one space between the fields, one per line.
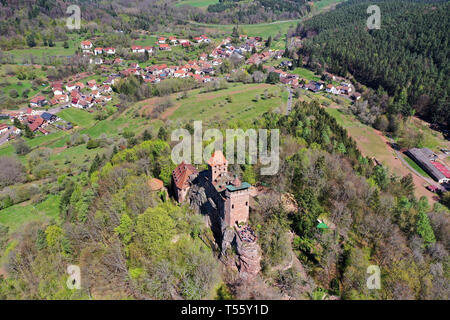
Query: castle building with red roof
x=228 y=195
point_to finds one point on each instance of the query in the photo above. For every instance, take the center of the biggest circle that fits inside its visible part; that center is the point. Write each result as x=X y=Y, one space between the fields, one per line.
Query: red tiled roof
x=217 y=158
x=181 y=174
x=155 y=184
x=37 y=99
x=445 y=171
x=36 y=124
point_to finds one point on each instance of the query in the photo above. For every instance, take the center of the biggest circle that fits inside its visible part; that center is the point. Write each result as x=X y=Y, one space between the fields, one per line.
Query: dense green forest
x=408 y=56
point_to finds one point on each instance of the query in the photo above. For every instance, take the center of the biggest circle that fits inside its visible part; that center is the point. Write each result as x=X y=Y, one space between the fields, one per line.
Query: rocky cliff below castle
x=235 y=252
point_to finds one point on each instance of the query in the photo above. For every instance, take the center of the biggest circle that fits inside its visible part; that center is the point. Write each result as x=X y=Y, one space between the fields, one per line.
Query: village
x=88 y=94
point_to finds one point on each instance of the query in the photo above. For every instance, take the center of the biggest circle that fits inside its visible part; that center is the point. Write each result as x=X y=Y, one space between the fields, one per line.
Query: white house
x=137 y=49
x=86 y=45
x=332 y=89
x=110 y=50
x=3 y=128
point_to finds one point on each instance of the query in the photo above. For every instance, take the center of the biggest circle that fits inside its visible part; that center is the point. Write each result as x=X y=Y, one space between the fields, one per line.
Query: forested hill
x=408 y=56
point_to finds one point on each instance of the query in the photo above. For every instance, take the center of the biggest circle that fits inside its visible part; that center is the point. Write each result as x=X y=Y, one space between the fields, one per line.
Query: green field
x=306 y=74
x=197 y=3
x=17 y=215
x=325 y=3
x=57 y=50
x=214 y=105
x=77 y=117
x=263 y=29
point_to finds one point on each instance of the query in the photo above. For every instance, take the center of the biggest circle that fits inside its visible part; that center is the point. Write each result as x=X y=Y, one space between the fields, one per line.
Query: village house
x=92 y=84
x=149 y=49
x=185 y=43
x=70 y=87
x=34 y=122
x=15 y=131
x=161 y=40
x=3 y=128
x=332 y=89
x=48 y=117
x=79 y=86
x=106 y=88
x=137 y=49
x=38 y=101
x=165 y=47
x=98 y=51
x=86 y=45
x=173 y=40
x=57 y=90
x=58 y=99
x=110 y=50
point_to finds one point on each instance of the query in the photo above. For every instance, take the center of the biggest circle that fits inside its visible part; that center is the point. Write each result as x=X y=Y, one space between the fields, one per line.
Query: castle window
x=232 y=206
x=246 y=203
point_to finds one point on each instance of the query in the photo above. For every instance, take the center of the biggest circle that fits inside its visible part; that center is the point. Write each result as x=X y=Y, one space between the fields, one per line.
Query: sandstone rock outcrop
x=249 y=259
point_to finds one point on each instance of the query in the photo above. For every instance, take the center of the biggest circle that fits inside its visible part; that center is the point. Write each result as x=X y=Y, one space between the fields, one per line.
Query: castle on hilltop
x=230 y=196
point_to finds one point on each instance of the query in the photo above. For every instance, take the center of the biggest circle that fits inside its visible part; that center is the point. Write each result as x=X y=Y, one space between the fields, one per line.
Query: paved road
x=289 y=102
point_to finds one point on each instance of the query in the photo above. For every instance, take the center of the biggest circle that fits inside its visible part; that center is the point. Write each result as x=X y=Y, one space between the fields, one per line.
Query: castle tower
x=218 y=165
x=237 y=202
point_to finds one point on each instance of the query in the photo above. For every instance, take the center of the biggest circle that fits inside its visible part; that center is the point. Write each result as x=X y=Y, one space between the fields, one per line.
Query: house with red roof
x=38 y=101
x=86 y=45
x=137 y=49
x=36 y=122
x=149 y=49
x=3 y=128
x=181 y=179
x=179 y=74
x=165 y=47
x=92 y=84
x=110 y=50
x=173 y=40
